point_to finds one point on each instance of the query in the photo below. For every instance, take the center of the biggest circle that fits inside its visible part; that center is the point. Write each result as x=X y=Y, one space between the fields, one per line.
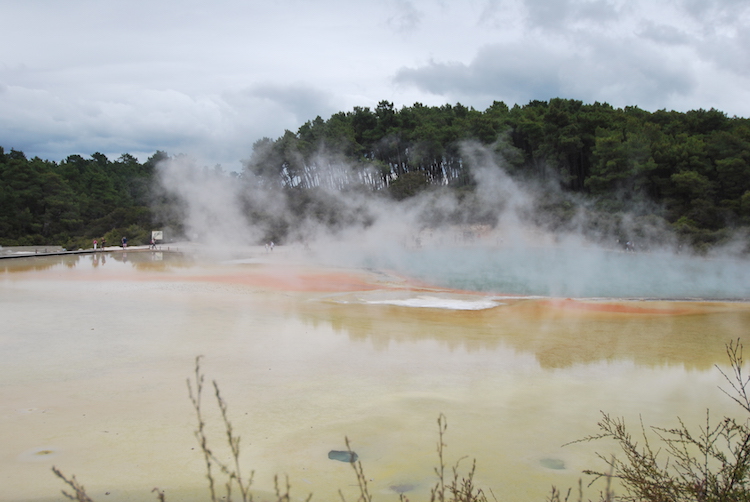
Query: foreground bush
x=712 y=465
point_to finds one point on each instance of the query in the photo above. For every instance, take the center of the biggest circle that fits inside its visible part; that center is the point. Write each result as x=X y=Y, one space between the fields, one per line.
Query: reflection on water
x=556 y=334
x=144 y=260
x=94 y=357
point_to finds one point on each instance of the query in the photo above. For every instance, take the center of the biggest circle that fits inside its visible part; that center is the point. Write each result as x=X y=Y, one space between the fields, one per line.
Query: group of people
x=103 y=244
x=123 y=243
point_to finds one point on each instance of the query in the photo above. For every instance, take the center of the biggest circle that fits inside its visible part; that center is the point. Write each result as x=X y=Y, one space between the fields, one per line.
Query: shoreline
x=63 y=252
x=286 y=269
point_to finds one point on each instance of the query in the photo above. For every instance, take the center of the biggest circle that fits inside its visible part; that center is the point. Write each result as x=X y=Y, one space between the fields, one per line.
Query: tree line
x=76 y=200
x=690 y=171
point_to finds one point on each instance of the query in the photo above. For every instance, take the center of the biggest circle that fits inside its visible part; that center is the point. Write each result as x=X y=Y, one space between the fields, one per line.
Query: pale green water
x=93 y=363
x=574 y=271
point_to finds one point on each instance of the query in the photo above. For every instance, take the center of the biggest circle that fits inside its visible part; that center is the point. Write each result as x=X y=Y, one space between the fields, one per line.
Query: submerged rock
x=343 y=456
x=403 y=488
x=552 y=463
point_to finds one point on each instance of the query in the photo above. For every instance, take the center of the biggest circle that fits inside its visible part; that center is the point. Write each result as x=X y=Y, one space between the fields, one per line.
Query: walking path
x=28 y=251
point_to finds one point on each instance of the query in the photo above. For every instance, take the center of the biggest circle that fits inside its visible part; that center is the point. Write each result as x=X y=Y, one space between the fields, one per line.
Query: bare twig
x=437 y=494
x=364 y=494
x=200 y=433
x=79 y=492
x=712 y=465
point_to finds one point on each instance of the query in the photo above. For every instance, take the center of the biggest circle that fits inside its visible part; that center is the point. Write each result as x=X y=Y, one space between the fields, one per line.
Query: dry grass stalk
x=437 y=494
x=233 y=473
x=79 y=492
x=364 y=493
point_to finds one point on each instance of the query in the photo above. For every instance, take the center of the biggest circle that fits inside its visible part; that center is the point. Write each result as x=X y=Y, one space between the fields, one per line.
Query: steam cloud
x=493 y=239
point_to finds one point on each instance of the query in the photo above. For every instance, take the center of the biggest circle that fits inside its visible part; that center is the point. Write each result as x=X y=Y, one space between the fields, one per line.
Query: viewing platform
x=33 y=251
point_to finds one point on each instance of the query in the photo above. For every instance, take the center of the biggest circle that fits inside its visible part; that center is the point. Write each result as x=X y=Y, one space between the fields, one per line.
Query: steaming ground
x=492 y=241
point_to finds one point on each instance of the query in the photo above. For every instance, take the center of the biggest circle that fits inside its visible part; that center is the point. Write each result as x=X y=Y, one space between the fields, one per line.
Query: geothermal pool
x=96 y=351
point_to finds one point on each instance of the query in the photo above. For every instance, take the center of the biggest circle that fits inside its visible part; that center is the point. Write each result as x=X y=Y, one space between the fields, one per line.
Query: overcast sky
x=209 y=78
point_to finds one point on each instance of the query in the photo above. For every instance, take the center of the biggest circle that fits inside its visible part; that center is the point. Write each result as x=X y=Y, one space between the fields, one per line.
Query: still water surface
x=95 y=353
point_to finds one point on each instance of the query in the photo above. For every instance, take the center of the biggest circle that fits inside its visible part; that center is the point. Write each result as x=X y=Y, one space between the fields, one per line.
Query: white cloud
x=406 y=18
x=210 y=78
x=653 y=57
x=301 y=101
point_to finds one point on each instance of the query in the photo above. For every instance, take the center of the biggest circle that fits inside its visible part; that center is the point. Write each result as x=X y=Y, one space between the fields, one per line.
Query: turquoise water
x=552 y=271
x=574 y=272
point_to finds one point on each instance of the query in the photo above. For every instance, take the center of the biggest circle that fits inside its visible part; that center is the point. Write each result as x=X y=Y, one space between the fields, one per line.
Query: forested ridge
x=71 y=202
x=690 y=171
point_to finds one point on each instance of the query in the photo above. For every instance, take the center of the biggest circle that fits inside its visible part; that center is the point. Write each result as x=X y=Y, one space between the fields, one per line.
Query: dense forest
x=687 y=174
x=70 y=202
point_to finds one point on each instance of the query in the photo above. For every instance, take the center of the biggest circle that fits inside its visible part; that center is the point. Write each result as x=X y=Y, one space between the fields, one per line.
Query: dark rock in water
x=343 y=456
x=552 y=463
x=402 y=488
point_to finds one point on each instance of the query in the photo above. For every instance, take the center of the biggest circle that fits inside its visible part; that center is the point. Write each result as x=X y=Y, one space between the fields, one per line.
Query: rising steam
x=492 y=238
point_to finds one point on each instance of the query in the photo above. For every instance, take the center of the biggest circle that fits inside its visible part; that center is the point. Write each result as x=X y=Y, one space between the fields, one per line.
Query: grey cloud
x=664 y=34
x=198 y=79
x=493 y=13
x=547 y=13
x=513 y=73
x=556 y=15
x=302 y=101
x=715 y=30
x=728 y=49
x=621 y=72
x=53 y=124
x=715 y=11
x=731 y=55
x=407 y=17
x=115 y=119
x=598 y=11
x=632 y=72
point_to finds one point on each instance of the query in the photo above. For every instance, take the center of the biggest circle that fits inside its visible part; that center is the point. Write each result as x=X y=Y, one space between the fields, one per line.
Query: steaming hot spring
x=519 y=348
